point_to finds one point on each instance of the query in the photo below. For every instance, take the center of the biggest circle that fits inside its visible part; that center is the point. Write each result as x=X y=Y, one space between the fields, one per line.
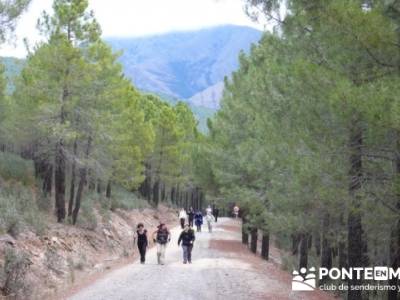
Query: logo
x=304 y=281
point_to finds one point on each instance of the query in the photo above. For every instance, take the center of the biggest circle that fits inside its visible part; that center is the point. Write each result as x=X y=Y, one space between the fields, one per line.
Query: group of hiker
x=162 y=236
x=191 y=217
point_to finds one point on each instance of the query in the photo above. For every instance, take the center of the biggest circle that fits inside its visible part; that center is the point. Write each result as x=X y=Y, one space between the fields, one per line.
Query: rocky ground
x=222 y=268
x=67 y=256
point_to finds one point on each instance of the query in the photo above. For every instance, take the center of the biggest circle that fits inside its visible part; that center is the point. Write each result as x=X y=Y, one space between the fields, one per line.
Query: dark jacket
x=190 y=215
x=187 y=238
x=142 y=238
x=198 y=219
x=162 y=236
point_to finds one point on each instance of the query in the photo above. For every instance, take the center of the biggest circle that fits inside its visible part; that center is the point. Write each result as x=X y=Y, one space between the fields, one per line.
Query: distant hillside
x=185 y=65
x=13 y=67
x=209 y=97
x=188 y=66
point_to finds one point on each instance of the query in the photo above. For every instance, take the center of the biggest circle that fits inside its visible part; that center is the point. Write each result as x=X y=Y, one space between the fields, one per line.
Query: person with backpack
x=142 y=241
x=198 y=220
x=209 y=210
x=187 y=238
x=236 y=211
x=161 y=237
x=210 y=219
x=182 y=217
x=190 y=216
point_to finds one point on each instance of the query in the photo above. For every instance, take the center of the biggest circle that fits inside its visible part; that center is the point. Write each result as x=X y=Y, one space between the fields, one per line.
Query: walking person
x=182 y=217
x=187 y=238
x=216 y=213
x=236 y=211
x=209 y=210
x=190 y=215
x=161 y=237
x=198 y=220
x=210 y=220
x=142 y=241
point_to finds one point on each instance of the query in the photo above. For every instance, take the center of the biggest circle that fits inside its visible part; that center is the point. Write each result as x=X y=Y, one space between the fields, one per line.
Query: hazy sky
x=138 y=18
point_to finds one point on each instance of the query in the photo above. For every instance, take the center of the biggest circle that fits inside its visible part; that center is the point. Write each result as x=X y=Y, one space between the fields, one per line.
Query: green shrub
x=13 y=167
x=123 y=199
x=12 y=276
x=289 y=262
x=87 y=217
x=19 y=210
x=54 y=261
x=10 y=220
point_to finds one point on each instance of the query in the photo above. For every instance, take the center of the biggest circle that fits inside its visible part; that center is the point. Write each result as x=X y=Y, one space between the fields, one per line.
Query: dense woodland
x=85 y=128
x=307 y=140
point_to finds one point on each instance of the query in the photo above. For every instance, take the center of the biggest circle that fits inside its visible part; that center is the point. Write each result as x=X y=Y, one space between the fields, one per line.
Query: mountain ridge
x=185 y=64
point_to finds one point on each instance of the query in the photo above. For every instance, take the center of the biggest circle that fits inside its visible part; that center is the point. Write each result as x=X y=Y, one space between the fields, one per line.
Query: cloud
x=139 y=17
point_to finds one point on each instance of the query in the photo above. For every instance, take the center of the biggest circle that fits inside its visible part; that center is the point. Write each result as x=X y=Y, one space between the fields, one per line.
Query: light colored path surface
x=222 y=268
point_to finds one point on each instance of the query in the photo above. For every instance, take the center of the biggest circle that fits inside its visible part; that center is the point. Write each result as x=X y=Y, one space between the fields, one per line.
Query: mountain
x=186 y=65
x=209 y=97
x=13 y=67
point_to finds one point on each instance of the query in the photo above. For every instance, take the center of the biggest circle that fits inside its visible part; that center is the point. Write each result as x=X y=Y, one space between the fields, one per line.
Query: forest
x=307 y=139
x=73 y=124
x=306 y=142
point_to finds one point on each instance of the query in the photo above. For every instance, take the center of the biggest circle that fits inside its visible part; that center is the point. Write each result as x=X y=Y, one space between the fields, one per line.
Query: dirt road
x=222 y=268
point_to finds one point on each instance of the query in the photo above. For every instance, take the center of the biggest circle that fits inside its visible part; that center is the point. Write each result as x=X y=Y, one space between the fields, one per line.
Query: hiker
x=190 y=216
x=187 y=238
x=142 y=241
x=236 y=211
x=182 y=217
x=198 y=220
x=216 y=213
x=161 y=237
x=208 y=210
x=210 y=219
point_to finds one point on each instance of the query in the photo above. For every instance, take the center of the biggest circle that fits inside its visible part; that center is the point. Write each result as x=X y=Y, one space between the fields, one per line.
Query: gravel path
x=222 y=269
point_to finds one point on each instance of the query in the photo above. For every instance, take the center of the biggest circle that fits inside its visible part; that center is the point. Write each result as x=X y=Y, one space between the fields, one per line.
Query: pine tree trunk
x=73 y=179
x=59 y=180
x=146 y=187
x=309 y=245
x=265 y=245
x=156 y=193
x=245 y=235
x=295 y=243
x=326 y=255
x=254 y=238
x=201 y=200
x=163 y=192
x=82 y=182
x=99 y=188
x=173 y=200
x=341 y=246
x=303 y=250
x=194 y=198
x=355 y=232
x=91 y=180
x=78 y=199
x=108 y=189
x=177 y=195
x=317 y=243
x=60 y=160
x=44 y=171
x=47 y=179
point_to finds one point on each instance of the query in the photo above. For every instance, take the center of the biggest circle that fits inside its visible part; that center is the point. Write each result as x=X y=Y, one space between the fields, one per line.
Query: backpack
x=162 y=236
